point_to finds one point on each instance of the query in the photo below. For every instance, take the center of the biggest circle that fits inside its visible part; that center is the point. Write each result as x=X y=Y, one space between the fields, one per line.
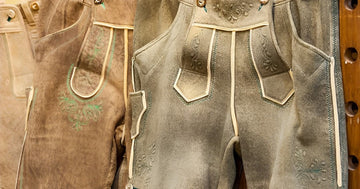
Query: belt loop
x=27 y=11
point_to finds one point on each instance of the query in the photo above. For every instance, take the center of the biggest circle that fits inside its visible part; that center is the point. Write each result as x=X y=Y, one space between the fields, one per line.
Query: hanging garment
x=18 y=29
x=75 y=134
x=244 y=77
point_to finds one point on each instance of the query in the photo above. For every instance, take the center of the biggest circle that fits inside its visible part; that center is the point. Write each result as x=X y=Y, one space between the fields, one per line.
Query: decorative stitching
x=309 y=172
x=232 y=11
x=195 y=64
x=267 y=63
x=79 y=114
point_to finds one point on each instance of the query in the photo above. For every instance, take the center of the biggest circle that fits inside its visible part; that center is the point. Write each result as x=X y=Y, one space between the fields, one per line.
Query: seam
x=207 y=91
x=143 y=99
x=161 y=36
x=330 y=121
x=336 y=122
x=115 y=26
x=78 y=22
x=302 y=42
x=103 y=86
x=103 y=71
x=231 y=29
x=213 y=63
x=288 y=96
x=131 y=163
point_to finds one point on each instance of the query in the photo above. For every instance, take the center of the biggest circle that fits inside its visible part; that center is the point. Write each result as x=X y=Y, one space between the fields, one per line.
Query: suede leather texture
x=202 y=95
x=75 y=136
x=17 y=61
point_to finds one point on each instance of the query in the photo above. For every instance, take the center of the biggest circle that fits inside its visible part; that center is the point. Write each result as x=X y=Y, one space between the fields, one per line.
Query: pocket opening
x=103 y=71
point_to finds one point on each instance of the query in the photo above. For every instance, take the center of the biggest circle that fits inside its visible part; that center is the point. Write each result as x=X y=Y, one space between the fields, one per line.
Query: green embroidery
x=97 y=47
x=79 y=113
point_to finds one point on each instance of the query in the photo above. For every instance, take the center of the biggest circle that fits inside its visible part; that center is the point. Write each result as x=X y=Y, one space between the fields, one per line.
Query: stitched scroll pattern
x=232 y=11
x=307 y=173
x=79 y=113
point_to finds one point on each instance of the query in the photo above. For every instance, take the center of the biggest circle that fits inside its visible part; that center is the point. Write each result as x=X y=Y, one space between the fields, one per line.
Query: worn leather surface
x=182 y=143
x=75 y=131
x=17 y=61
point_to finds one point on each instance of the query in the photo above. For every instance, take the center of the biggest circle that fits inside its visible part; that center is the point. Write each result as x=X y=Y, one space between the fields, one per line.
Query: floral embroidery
x=268 y=64
x=144 y=163
x=79 y=114
x=309 y=172
x=232 y=11
x=196 y=63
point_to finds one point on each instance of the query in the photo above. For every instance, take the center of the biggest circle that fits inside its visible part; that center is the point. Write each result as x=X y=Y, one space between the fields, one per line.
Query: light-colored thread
x=336 y=122
x=232 y=98
x=115 y=26
x=126 y=61
x=231 y=29
x=103 y=71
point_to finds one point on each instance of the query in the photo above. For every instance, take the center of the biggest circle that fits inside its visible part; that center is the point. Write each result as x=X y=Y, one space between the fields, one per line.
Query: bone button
x=34 y=6
x=201 y=3
x=11 y=14
x=264 y=2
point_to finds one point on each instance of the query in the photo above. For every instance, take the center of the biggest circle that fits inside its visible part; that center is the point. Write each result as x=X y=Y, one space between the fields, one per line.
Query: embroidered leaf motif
x=79 y=113
x=231 y=11
x=312 y=172
x=268 y=64
x=196 y=64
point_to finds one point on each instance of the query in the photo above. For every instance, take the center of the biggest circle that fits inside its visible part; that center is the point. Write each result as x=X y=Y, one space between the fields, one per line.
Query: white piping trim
x=20 y=159
x=137 y=132
x=126 y=61
x=231 y=29
x=29 y=101
x=132 y=73
x=141 y=113
x=288 y=96
x=207 y=91
x=116 y=26
x=103 y=71
x=232 y=98
x=336 y=122
x=131 y=163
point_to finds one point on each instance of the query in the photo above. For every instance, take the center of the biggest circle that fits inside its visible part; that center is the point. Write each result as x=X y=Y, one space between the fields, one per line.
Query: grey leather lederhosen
x=18 y=29
x=260 y=81
x=75 y=134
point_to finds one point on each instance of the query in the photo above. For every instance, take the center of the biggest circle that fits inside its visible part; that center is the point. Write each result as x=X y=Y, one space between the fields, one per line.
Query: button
x=201 y=3
x=129 y=186
x=98 y=1
x=35 y=6
x=264 y=2
x=11 y=14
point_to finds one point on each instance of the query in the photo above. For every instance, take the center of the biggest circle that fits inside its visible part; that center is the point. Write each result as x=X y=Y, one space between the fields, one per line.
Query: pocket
x=147 y=58
x=138 y=108
x=88 y=74
x=274 y=73
x=17 y=49
x=194 y=77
